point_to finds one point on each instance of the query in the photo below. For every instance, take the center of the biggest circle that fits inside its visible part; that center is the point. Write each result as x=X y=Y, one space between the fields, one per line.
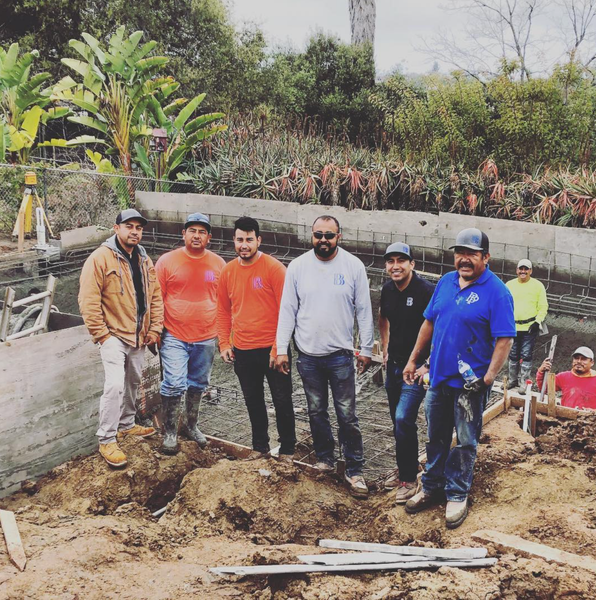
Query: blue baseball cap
x=398 y=248
x=198 y=218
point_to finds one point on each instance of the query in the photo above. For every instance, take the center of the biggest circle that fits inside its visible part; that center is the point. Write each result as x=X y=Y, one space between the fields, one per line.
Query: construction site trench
x=89 y=531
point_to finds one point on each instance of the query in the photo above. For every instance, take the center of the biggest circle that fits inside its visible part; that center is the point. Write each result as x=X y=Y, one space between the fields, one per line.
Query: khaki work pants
x=123 y=366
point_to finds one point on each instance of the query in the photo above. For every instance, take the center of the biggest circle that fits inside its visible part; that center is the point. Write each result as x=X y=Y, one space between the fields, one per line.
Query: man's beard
x=324 y=251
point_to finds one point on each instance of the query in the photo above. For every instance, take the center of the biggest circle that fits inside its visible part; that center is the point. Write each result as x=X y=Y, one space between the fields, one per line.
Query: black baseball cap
x=471 y=238
x=130 y=213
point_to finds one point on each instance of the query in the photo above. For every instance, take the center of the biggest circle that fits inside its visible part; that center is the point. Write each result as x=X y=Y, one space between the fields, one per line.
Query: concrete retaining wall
x=50 y=386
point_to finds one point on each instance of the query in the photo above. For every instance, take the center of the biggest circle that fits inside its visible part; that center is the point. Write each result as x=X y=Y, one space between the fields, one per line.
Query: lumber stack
x=369 y=557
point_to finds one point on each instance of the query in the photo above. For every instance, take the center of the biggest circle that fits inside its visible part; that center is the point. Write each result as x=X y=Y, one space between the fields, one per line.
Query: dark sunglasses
x=328 y=235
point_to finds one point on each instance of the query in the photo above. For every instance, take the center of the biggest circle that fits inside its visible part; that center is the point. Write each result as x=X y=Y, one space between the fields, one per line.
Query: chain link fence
x=75 y=198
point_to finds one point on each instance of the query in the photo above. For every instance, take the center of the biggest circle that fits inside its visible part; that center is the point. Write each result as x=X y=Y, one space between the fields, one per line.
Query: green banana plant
x=23 y=103
x=121 y=96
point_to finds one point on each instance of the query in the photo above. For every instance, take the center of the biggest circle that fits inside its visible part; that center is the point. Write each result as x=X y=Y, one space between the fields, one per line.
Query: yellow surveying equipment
x=25 y=216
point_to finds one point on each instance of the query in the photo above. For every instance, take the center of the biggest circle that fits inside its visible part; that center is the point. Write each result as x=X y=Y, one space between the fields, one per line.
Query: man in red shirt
x=188 y=277
x=248 y=300
x=578 y=385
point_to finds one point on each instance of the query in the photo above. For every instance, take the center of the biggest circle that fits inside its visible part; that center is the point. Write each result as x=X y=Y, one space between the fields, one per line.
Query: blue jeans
x=335 y=370
x=523 y=349
x=452 y=469
x=404 y=403
x=185 y=364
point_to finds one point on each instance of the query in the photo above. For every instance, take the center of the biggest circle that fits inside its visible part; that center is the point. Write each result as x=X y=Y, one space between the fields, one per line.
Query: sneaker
x=456 y=513
x=112 y=454
x=405 y=490
x=324 y=467
x=256 y=455
x=286 y=458
x=392 y=480
x=137 y=430
x=357 y=486
x=423 y=500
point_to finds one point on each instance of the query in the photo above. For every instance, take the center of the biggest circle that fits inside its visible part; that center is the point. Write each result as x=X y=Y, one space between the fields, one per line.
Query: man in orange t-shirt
x=248 y=299
x=188 y=277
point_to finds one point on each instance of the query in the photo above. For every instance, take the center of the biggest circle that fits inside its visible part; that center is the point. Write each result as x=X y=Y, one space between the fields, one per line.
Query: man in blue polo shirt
x=470 y=323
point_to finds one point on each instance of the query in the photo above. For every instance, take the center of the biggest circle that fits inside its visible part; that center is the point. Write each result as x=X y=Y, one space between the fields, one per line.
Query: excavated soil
x=88 y=530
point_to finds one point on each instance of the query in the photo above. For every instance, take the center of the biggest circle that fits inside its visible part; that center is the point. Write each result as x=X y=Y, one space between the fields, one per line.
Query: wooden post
x=533 y=409
x=552 y=399
x=21 y=231
x=506 y=398
x=6 y=312
x=44 y=316
x=14 y=545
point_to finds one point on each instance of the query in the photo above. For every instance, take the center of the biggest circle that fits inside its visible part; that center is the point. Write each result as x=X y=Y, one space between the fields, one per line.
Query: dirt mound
x=88 y=485
x=268 y=501
x=574 y=440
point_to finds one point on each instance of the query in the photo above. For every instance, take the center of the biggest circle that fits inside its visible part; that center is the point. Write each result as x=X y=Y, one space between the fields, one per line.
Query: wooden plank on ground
x=297 y=569
x=494 y=411
x=355 y=558
x=563 y=412
x=552 y=396
x=513 y=543
x=14 y=545
x=455 y=553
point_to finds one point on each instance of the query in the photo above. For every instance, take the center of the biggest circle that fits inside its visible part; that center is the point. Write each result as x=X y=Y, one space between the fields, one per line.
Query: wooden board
x=355 y=558
x=12 y=536
x=552 y=396
x=513 y=543
x=561 y=411
x=453 y=553
x=296 y=569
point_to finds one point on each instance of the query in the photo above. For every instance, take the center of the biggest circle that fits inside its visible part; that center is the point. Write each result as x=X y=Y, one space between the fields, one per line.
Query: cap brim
x=208 y=225
x=466 y=246
x=142 y=220
x=397 y=254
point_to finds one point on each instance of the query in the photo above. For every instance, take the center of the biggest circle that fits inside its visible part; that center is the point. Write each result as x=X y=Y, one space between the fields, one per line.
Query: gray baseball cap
x=128 y=214
x=198 y=218
x=398 y=248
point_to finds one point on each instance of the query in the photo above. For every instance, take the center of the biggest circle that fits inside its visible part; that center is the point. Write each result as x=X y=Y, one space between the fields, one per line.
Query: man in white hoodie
x=323 y=291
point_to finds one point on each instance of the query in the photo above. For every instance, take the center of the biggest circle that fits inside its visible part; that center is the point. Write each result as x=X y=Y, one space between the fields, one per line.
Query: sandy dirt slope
x=89 y=533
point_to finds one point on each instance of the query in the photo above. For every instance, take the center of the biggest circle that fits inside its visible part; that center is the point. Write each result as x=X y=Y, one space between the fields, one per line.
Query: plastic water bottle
x=465 y=370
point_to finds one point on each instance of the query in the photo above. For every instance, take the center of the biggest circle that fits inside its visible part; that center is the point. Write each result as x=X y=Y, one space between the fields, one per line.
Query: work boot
x=525 y=374
x=392 y=480
x=405 y=491
x=112 y=454
x=423 y=500
x=256 y=455
x=189 y=424
x=286 y=458
x=137 y=430
x=513 y=373
x=456 y=513
x=357 y=486
x=171 y=409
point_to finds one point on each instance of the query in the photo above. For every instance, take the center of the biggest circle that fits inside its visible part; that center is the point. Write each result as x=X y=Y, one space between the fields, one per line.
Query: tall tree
x=363 y=14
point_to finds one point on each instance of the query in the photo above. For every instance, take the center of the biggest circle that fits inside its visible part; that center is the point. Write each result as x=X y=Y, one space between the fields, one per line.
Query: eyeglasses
x=328 y=235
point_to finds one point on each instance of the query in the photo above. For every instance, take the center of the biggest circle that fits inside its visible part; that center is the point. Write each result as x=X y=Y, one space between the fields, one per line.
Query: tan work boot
x=392 y=480
x=256 y=455
x=112 y=454
x=456 y=513
x=137 y=430
x=405 y=491
x=357 y=486
x=423 y=500
x=286 y=458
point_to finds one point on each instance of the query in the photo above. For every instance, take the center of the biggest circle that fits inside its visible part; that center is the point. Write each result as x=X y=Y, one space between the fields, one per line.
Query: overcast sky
x=401 y=27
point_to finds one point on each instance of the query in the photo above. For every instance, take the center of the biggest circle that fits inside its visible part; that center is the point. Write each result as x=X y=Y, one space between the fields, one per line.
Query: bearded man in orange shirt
x=248 y=299
x=188 y=277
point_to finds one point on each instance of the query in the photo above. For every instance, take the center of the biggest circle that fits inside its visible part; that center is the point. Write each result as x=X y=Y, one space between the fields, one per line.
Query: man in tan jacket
x=121 y=304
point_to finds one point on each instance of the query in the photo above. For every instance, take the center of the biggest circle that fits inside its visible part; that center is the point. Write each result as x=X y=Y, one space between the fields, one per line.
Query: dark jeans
x=404 y=403
x=335 y=370
x=523 y=348
x=252 y=367
x=452 y=469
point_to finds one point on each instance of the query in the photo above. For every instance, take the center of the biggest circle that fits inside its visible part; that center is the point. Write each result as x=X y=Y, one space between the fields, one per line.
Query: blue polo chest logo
x=473 y=297
x=209 y=276
x=338 y=279
x=257 y=283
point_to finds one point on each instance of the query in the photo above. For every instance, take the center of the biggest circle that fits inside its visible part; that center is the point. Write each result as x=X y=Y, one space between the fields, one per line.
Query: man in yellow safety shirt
x=530 y=307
